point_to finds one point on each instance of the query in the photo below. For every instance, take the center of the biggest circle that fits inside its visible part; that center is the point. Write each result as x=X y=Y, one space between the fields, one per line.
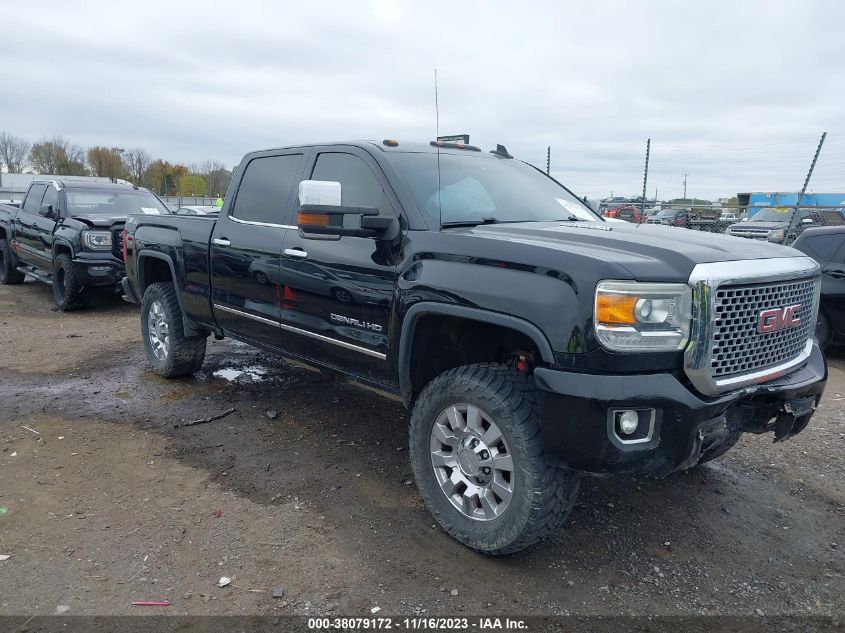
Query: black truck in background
x=531 y=339
x=70 y=234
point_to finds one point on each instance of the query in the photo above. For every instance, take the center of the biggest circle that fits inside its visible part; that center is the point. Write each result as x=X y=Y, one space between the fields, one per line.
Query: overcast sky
x=734 y=93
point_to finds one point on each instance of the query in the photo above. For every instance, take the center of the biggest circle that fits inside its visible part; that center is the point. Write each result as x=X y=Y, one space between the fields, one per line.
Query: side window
x=51 y=196
x=265 y=188
x=358 y=185
x=33 y=199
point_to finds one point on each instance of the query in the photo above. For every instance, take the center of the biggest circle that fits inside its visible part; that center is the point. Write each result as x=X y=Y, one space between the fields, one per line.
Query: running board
x=38 y=274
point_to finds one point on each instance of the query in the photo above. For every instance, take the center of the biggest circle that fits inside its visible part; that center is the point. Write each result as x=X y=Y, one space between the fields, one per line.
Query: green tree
x=164 y=177
x=192 y=185
x=107 y=162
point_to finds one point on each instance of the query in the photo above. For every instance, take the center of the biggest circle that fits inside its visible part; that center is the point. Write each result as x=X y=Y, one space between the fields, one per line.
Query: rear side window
x=32 y=203
x=265 y=188
x=358 y=185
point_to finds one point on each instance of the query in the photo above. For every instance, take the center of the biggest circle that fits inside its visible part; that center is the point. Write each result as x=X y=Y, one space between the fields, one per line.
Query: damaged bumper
x=97 y=269
x=584 y=417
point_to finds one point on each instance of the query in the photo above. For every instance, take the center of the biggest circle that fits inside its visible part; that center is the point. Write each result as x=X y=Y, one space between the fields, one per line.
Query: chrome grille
x=737 y=346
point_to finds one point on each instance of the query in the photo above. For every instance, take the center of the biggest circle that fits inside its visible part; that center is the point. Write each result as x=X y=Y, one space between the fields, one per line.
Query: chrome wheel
x=472 y=462
x=158 y=330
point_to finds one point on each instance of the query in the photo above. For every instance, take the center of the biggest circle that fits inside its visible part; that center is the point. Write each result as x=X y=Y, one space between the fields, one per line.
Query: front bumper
x=98 y=269
x=578 y=428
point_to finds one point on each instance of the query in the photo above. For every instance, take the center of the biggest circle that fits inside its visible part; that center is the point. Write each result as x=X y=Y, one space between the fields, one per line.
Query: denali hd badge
x=375 y=327
x=779 y=319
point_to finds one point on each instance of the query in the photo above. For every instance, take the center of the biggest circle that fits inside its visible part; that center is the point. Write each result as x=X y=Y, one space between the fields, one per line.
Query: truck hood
x=649 y=252
x=101 y=221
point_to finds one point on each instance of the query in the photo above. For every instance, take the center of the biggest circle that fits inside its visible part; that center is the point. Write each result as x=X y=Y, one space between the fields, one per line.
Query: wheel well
x=153 y=270
x=2 y=234
x=443 y=342
x=63 y=249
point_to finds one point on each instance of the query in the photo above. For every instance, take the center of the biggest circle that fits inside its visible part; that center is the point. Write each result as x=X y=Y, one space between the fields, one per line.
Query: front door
x=245 y=248
x=26 y=229
x=337 y=292
x=45 y=226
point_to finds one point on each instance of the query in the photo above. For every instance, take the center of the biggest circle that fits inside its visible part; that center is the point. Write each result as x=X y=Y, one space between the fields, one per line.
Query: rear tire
x=68 y=292
x=170 y=352
x=477 y=416
x=9 y=275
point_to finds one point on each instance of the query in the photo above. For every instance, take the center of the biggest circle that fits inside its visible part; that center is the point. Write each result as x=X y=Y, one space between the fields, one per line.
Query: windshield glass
x=474 y=188
x=111 y=202
x=773 y=214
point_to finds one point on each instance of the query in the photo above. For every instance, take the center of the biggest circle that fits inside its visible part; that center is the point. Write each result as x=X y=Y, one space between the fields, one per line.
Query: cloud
x=734 y=94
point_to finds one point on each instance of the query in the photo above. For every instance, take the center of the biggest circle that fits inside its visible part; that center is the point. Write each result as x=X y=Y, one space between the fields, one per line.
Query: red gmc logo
x=778 y=319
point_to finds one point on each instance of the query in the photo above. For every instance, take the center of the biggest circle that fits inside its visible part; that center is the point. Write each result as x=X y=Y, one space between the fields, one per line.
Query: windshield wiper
x=460 y=223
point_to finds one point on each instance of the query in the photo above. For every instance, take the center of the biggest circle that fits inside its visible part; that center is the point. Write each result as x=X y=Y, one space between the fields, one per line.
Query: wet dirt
x=108 y=503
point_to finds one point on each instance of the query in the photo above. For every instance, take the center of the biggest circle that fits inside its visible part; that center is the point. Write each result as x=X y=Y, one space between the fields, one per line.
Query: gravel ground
x=306 y=486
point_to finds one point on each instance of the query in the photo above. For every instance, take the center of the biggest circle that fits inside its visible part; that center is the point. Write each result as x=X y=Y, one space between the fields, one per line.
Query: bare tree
x=216 y=176
x=136 y=161
x=59 y=156
x=13 y=152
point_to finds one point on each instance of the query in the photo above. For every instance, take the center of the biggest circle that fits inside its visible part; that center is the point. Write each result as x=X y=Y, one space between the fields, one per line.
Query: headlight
x=776 y=235
x=642 y=317
x=97 y=240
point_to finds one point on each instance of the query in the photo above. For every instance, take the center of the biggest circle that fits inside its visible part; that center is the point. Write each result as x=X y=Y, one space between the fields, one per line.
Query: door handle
x=296 y=252
x=221 y=241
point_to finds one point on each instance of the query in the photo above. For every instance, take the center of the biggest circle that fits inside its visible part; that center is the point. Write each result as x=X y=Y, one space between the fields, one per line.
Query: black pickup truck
x=69 y=234
x=531 y=339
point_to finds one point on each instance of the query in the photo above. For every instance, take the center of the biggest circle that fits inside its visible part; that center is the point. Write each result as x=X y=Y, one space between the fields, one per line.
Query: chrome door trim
x=270 y=224
x=314 y=335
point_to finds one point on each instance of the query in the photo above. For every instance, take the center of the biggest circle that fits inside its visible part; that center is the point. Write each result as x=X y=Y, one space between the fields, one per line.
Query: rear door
x=337 y=293
x=246 y=244
x=26 y=231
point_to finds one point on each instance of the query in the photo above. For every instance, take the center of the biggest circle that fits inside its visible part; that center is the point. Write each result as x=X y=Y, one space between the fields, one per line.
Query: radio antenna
x=437 y=136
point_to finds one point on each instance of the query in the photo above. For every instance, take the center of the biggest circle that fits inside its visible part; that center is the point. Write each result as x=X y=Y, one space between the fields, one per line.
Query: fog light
x=628 y=421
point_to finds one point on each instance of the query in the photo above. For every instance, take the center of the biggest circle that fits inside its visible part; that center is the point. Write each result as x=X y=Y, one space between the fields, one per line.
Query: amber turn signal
x=313 y=219
x=612 y=309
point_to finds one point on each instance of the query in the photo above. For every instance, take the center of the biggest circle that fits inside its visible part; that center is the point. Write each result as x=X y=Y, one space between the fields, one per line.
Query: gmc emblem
x=779 y=319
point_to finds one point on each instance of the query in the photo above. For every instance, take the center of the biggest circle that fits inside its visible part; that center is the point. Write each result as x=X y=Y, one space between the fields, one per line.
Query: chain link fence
x=777 y=224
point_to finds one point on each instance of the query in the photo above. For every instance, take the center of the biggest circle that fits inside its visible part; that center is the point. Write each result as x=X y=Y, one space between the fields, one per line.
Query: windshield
x=476 y=188
x=773 y=214
x=114 y=203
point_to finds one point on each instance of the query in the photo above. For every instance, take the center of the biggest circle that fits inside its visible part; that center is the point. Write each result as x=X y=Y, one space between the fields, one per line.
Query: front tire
x=68 y=292
x=824 y=331
x=478 y=460
x=170 y=352
x=9 y=275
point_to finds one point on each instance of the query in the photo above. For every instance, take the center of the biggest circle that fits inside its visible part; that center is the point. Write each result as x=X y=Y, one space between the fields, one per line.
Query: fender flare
x=62 y=242
x=187 y=323
x=473 y=314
